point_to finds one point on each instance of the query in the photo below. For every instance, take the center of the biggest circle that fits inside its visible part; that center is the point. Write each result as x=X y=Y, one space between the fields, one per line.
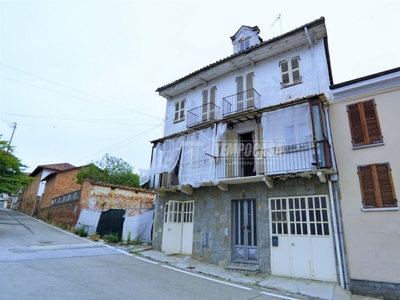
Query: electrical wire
x=75 y=90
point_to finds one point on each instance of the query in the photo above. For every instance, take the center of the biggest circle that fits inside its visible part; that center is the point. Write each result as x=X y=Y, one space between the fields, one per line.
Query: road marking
x=211 y=279
x=279 y=296
x=149 y=261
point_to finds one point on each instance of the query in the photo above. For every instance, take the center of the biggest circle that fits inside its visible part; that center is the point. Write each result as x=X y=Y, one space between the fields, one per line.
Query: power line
x=130 y=139
x=75 y=90
x=75 y=119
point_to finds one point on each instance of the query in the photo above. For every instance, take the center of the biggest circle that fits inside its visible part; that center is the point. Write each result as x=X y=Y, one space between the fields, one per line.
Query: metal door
x=301 y=243
x=244 y=230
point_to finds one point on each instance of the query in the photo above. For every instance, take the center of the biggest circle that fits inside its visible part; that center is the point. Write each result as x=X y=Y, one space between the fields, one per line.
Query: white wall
x=267 y=78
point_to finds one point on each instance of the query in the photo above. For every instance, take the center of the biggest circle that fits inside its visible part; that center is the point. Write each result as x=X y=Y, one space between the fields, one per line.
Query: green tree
x=111 y=170
x=12 y=177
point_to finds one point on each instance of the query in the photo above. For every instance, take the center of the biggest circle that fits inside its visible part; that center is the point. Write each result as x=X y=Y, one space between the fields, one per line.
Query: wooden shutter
x=231 y=154
x=377 y=186
x=386 y=185
x=285 y=72
x=182 y=110
x=364 y=123
x=259 y=151
x=295 y=69
x=372 y=123
x=239 y=90
x=212 y=102
x=204 y=109
x=249 y=90
x=176 y=117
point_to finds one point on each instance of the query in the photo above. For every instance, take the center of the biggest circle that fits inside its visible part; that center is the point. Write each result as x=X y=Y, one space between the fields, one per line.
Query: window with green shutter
x=364 y=123
x=377 y=186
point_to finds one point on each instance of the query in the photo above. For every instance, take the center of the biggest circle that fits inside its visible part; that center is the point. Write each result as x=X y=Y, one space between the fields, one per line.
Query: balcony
x=203 y=114
x=300 y=159
x=241 y=104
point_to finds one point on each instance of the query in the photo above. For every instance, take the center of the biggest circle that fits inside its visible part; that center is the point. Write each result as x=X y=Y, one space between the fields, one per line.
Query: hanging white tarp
x=197 y=164
x=165 y=158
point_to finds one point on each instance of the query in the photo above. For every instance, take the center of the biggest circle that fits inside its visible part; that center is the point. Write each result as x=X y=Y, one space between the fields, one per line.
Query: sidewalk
x=308 y=288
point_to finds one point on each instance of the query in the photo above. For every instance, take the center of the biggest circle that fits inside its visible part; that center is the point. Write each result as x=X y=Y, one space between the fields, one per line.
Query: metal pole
x=14 y=126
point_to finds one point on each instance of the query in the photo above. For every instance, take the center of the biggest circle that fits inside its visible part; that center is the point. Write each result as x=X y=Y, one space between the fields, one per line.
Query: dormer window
x=244 y=45
x=290 y=70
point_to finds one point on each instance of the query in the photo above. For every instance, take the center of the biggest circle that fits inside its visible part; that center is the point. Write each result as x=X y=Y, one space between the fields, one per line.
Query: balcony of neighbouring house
x=242 y=106
x=206 y=113
x=305 y=159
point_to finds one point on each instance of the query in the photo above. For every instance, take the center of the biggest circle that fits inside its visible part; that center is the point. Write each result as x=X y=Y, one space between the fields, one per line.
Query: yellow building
x=366 y=138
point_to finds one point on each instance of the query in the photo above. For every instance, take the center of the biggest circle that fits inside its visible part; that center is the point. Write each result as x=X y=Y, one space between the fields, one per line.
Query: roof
x=58 y=172
x=364 y=78
x=55 y=167
x=139 y=190
x=265 y=47
x=253 y=28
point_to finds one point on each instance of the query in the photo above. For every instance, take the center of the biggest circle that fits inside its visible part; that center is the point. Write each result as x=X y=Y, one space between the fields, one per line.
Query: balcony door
x=208 y=108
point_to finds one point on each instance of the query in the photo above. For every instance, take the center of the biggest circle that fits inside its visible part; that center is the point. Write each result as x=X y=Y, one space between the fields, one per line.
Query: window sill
x=380 y=209
x=178 y=121
x=291 y=84
x=368 y=146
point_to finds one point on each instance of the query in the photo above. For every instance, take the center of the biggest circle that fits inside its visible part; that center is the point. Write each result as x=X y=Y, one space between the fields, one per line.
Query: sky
x=78 y=78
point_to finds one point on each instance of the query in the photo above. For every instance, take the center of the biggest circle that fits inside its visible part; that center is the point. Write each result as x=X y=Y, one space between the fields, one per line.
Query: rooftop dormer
x=245 y=37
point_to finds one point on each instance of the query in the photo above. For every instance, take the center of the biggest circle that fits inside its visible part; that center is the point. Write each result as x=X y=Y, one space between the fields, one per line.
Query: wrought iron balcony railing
x=249 y=99
x=285 y=159
x=204 y=113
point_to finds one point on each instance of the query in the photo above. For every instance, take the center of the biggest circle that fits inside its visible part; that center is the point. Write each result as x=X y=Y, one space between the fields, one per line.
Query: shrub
x=81 y=231
x=94 y=237
x=111 y=238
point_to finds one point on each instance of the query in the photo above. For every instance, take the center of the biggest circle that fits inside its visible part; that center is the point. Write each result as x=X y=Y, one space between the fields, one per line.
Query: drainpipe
x=341 y=238
x=335 y=233
x=313 y=59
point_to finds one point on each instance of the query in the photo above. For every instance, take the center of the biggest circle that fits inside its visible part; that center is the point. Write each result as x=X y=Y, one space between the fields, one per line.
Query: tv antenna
x=278 y=18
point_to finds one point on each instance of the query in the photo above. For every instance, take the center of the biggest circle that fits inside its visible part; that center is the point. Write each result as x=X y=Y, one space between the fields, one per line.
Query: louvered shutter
x=388 y=197
x=205 y=105
x=295 y=69
x=212 y=102
x=182 y=111
x=239 y=89
x=231 y=154
x=371 y=121
x=367 y=186
x=285 y=72
x=176 y=117
x=249 y=90
x=356 y=127
x=259 y=154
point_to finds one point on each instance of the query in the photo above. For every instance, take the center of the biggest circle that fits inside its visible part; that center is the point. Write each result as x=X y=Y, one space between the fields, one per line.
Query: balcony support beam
x=188 y=190
x=223 y=187
x=321 y=176
x=269 y=182
x=160 y=192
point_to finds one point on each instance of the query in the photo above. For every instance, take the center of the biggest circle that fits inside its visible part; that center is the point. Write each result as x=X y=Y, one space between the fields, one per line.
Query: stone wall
x=212 y=216
x=381 y=290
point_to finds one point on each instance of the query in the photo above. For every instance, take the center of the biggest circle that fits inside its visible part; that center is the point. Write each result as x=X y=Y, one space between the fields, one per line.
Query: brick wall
x=61 y=214
x=59 y=184
x=26 y=204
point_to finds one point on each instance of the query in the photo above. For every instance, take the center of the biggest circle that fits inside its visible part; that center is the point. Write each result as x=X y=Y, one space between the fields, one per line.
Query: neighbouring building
x=108 y=208
x=29 y=201
x=58 y=183
x=364 y=117
x=244 y=171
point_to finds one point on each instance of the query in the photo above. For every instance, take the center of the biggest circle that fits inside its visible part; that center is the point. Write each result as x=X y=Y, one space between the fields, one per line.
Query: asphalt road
x=38 y=261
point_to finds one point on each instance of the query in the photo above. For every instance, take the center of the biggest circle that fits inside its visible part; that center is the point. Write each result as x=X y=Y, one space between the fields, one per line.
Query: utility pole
x=13 y=126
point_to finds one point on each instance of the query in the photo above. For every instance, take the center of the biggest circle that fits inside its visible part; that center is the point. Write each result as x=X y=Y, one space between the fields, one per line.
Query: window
x=377 y=186
x=290 y=71
x=245 y=97
x=179 y=111
x=364 y=123
x=244 y=45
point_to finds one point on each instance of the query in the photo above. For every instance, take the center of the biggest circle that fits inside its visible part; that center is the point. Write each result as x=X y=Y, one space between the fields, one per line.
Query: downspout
x=339 y=225
x=313 y=59
x=335 y=231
